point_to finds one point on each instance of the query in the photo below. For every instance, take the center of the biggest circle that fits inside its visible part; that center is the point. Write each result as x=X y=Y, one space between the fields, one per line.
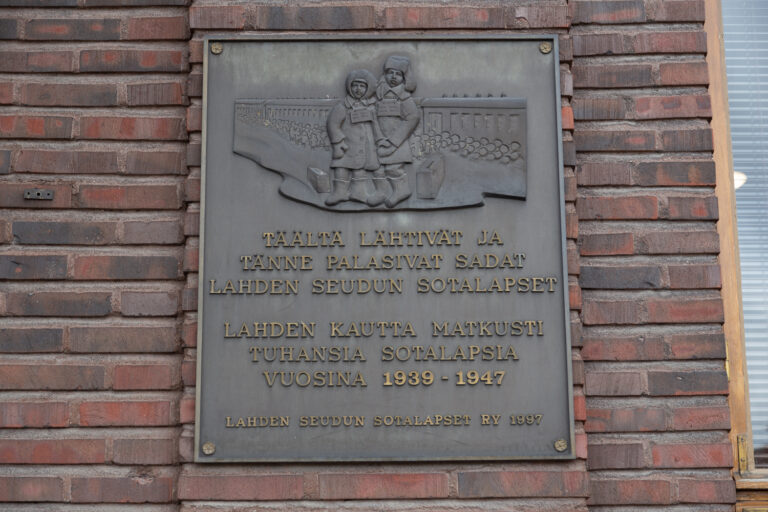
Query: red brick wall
x=93 y=98
x=98 y=291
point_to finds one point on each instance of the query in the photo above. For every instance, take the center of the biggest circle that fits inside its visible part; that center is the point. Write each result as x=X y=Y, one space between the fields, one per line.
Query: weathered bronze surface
x=382 y=262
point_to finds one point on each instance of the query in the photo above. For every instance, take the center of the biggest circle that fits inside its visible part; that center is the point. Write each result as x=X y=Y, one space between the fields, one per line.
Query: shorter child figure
x=351 y=129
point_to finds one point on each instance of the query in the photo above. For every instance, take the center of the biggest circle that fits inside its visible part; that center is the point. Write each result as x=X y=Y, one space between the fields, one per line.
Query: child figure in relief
x=351 y=129
x=398 y=117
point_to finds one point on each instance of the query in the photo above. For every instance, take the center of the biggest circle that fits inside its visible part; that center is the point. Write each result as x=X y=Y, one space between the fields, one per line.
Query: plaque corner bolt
x=209 y=448
x=545 y=47
x=561 y=445
x=217 y=48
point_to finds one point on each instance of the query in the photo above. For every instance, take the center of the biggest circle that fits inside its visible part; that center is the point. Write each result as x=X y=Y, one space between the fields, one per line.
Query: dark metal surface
x=382 y=262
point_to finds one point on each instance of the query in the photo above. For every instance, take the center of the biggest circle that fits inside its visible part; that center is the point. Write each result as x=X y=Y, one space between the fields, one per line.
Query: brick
x=693 y=208
x=618 y=208
x=5 y=161
x=155 y=162
x=493 y=484
x=605 y=312
x=52 y=451
x=692 y=382
x=164 y=93
x=187 y=410
x=132 y=61
x=423 y=17
x=12 y=195
x=620 y=140
x=700 y=418
x=192 y=223
x=679 y=10
x=569 y=153
x=218 y=17
x=687 y=140
x=196 y=49
x=144 y=451
x=680 y=242
x=64 y=233
x=623 y=348
x=635 y=419
x=73 y=29
x=131 y=489
x=609 y=12
x=35 y=127
x=537 y=16
x=158 y=28
x=685 y=310
x=194 y=118
x=620 y=278
x=694 y=276
x=6 y=97
x=132 y=3
x=38 y=3
x=33 y=415
x=152 y=232
x=708 y=491
x=31 y=488
x=669 y=107
x=130 y=197
x=195 y=85
x=50 y=377
x=613 y=75
x=585 y=109
x=352 y=17
x=17 y=266
x=126 y=413
x=691 y=455
x=579 y=408
x=599 y=44
x=9 y=28
x=149 y=303
x=567 y=118
x=123 y=339
x=635 y=491
x=132 y=128
x=615 y=456
x=672 y=174
x=143 y=377
x=66 y=162
x=696 y=346
x=36 y=61
x=126 y=267
x=604 y=173
x=189 y=373
x=670 y=42
x=31 y=340
x=67 y=304
x=617 y=383
x=241 y=487
x=382 y=485
x=69 y=95
x=684 y=73
x=606 y=244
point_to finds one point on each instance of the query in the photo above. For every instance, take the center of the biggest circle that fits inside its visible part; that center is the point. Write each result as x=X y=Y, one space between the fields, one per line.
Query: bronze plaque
x=383 y=251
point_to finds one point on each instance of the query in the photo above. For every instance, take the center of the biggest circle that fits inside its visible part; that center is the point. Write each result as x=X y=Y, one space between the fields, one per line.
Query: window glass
x=745 y=27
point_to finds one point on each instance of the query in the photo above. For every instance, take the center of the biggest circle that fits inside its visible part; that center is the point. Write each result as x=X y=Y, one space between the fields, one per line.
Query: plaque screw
x=209 y=448
x=216 y=49
x=560 y=445
x=545 y=47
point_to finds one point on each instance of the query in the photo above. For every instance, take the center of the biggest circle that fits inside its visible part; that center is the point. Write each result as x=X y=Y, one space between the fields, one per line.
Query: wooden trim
x=726 y=228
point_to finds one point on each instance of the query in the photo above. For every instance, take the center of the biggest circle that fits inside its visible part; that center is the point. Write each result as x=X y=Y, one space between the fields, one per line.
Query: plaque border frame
x=208 y=40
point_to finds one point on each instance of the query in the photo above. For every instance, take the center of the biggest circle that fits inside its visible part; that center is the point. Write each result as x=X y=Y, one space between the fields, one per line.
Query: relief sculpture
x=381 y=147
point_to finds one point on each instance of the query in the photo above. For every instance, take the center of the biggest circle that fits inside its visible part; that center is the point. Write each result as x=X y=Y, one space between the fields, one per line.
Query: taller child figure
x=398 y=117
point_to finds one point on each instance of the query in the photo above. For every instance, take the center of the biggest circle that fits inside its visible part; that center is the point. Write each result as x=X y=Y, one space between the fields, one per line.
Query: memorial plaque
x=382 y=272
